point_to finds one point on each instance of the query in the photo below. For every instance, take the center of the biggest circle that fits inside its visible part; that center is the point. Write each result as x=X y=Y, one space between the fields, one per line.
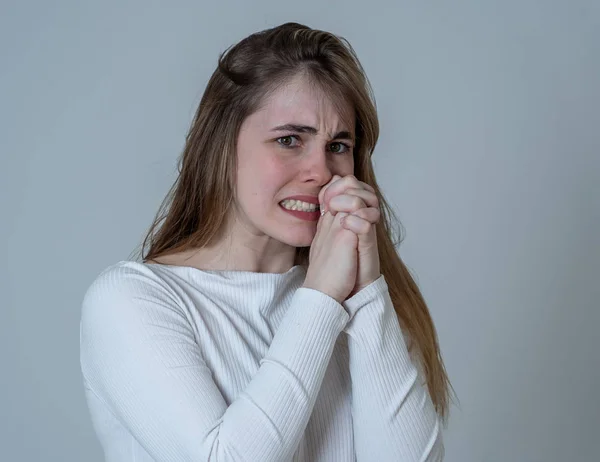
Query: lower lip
x=307 y=216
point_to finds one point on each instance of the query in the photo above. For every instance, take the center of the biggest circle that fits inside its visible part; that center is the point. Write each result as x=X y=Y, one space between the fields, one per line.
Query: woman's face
x=292 y=146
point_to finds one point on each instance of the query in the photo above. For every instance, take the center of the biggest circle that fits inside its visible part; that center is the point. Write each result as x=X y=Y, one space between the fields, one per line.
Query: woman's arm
x=139 y=356
x=393 y=415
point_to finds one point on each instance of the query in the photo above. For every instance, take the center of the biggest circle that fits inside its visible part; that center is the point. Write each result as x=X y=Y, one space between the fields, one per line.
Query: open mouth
x=304 y=213
x=299 y=206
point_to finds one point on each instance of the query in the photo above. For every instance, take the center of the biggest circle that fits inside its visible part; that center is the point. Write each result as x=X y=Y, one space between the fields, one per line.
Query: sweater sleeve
x=139 y=357
x=393 y=414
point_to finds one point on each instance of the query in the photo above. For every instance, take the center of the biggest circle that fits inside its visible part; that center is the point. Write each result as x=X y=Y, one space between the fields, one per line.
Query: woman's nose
x=318 y=167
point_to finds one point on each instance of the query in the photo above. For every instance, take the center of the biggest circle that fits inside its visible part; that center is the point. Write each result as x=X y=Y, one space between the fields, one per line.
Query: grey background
x=490 y=152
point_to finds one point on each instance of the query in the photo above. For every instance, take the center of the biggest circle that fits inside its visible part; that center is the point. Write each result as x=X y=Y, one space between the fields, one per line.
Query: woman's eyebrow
x=345 y=135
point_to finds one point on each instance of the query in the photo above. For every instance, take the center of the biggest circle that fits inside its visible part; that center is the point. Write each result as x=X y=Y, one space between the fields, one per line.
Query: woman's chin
x=299 y=238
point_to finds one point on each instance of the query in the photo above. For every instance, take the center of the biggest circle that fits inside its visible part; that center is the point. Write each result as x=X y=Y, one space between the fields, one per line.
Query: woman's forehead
x=299 y=102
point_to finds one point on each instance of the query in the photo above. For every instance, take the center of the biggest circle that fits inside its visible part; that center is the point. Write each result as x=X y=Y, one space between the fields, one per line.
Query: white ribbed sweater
x=182 y=364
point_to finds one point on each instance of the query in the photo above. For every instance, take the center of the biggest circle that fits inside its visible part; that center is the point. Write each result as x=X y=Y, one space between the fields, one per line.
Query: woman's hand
x=333 y=260
x=358 y=199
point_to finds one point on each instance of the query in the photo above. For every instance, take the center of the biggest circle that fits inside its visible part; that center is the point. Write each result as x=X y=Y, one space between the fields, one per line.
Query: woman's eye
x=339 y=148
x=288 y=141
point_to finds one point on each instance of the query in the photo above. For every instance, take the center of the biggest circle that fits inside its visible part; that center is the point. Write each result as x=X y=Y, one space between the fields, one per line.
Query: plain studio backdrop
x=489 y=151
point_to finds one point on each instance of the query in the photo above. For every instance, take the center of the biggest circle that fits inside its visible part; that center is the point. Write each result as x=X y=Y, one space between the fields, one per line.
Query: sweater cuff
x=374 y=292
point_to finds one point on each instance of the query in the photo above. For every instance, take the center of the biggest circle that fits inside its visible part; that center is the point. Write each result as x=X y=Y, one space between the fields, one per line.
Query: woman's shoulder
x=127 y=305
x=131 y=284
x=126 y=273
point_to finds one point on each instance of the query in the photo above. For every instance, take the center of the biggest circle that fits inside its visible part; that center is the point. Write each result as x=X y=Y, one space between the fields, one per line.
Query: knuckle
x=357 y=202
x=358 y=213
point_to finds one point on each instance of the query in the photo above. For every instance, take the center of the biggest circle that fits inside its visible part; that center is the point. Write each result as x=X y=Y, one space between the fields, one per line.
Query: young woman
x=271 y=318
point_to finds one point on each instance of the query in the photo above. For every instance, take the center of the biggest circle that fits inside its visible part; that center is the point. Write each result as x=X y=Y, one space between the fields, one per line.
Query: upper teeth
x=293 y=204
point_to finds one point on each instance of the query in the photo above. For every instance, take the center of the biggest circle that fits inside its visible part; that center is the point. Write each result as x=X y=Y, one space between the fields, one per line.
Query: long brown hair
x=195 y=209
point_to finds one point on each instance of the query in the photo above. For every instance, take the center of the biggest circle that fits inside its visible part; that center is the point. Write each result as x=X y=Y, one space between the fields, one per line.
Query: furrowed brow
x=295 y=128
x=343 y=135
